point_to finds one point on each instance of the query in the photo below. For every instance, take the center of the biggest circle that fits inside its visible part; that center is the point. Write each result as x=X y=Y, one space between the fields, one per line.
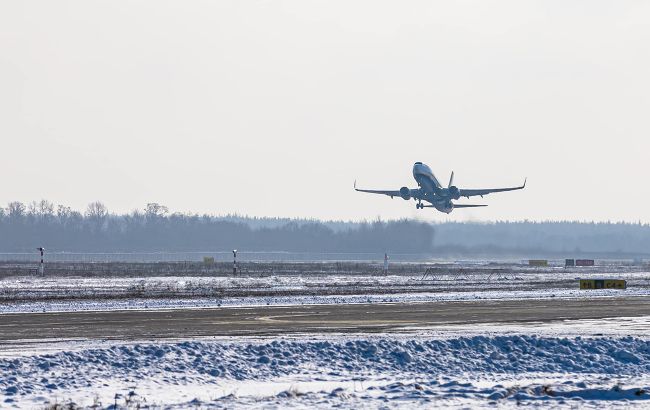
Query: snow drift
x=428 y=361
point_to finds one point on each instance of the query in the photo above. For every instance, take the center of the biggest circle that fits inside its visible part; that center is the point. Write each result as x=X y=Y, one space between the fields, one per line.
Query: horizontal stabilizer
x=467 y=206
x=456 y=206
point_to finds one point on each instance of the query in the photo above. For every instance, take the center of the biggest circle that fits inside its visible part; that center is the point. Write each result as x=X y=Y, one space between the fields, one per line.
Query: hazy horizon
x=156 y=231
x=275 y=108
x=31 y=208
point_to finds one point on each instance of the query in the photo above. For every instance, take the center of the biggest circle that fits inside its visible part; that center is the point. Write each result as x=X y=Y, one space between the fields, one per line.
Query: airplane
x=432 y=192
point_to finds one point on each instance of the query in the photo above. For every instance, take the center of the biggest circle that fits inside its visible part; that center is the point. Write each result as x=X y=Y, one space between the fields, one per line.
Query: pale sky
x=273 y=108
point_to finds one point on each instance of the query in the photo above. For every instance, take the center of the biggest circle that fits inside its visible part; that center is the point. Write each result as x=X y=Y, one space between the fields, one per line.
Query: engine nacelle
x=405 y=193
x=454 y=192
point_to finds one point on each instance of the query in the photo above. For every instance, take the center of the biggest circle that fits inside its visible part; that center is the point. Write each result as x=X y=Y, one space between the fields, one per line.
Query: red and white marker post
x=41 y=266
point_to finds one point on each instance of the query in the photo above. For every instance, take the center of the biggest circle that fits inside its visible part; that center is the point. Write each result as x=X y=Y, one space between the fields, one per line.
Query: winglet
x=355 y=184
x=524 y=185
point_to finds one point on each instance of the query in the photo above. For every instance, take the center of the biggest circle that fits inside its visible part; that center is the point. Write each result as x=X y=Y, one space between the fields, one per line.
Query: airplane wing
x=474 y=192
x=376 y=191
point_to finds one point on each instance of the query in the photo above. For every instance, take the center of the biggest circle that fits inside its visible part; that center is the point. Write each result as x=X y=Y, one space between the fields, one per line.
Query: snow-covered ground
x=29 y=293
x=570 y=363
x=474 y=366
x=203 y=302
x=440 y=278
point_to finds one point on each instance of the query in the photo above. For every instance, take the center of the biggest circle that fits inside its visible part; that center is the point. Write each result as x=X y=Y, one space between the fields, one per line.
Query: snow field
x=413 y=371
x=203 y=302
x=30 y=288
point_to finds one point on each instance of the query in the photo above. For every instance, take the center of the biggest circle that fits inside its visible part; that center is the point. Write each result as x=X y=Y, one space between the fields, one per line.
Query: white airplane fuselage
x=430 y=188
x=425 y=178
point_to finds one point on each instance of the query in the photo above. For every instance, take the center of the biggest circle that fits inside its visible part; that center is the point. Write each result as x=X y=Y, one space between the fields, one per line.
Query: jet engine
x=405 y=193
x=454 y=192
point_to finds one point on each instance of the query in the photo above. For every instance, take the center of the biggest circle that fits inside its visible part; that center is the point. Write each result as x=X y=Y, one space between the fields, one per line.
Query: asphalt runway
x=304 y=319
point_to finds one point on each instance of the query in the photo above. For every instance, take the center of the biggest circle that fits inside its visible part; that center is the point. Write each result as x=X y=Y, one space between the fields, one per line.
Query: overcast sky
x=273 y=108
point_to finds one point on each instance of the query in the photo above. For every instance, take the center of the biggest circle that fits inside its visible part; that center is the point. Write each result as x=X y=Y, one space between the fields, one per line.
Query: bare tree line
x=155 y=228
x=22 y=227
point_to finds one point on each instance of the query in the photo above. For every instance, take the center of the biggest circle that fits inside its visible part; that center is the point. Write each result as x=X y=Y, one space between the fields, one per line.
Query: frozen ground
x=50 y=294
x=442 y=283
x=597 y=363
x=109 y=281
x=76 y=305
x=506 y=365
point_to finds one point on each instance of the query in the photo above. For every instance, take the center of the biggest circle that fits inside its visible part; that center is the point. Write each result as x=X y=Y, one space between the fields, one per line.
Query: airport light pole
x=41 y=267
x=234 y=262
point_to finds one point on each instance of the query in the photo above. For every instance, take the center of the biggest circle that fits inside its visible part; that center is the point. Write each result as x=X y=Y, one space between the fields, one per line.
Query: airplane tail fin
x=451 y=180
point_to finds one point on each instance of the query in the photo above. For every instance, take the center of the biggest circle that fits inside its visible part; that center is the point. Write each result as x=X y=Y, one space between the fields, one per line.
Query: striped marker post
x=41 y=267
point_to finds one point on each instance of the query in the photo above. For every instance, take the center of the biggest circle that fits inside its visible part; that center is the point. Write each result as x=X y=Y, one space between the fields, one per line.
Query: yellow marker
x=603 y=284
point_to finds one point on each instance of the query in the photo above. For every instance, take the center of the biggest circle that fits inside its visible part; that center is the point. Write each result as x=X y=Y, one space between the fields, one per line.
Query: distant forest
x=544 y=239
x=59 y=228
